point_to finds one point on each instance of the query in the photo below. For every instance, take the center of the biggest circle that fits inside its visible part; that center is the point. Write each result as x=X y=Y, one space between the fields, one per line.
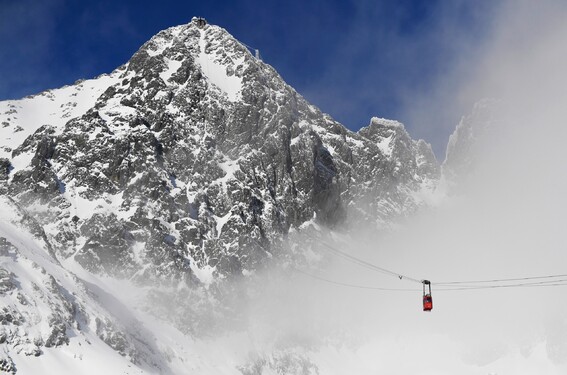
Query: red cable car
x=427 y=299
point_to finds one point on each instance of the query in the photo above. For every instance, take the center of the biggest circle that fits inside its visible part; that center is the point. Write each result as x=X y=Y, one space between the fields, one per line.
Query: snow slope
x=21 y=118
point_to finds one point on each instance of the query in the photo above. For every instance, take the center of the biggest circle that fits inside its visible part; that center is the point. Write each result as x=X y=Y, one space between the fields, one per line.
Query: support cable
x=531 y=281
x=354 y=285
x=368 y=265
x=499 y=280
x=560 y=282
x=556 y=283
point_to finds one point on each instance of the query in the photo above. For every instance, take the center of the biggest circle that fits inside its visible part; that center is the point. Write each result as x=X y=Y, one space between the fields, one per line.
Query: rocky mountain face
x=189 y=164
x=471 y=133
x=196 y=154
x=45 y=306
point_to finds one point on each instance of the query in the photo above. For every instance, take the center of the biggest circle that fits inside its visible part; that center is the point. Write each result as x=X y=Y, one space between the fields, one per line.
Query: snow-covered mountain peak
x=199 y=140
x=192 y=165
x=379 y=121
x=221 y=59
x=395 y=142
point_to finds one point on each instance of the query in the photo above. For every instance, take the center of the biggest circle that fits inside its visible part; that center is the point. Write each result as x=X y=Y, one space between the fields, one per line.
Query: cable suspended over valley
x=354 y=285
x=459 y=285
x=368 y=265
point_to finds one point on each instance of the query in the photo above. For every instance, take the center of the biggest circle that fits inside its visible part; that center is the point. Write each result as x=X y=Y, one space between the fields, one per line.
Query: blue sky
x=353 y=59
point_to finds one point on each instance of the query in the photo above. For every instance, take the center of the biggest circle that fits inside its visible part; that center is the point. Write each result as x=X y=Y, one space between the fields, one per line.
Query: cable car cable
x=498 y=280
x=354 y=285
x=523 y=285
x=370 y=265
x=562 y=282
x=445 y=285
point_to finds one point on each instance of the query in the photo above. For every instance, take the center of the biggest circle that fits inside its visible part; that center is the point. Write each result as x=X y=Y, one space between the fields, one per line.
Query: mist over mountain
x=172 y=217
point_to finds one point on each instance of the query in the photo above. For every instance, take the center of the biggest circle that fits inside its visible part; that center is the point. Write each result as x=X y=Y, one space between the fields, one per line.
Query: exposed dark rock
x=57 y=336
x=6 y=281
x=6 y=247
x=5 y=167
x=113 y=338
x=7 y=365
